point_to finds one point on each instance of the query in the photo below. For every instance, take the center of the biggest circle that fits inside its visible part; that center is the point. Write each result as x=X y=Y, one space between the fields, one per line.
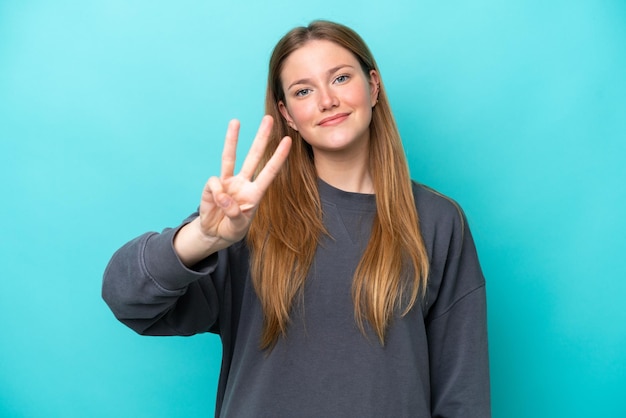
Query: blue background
x=112 y=116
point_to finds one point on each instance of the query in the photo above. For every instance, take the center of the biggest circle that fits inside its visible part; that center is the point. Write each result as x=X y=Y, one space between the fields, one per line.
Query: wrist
x=192 y=245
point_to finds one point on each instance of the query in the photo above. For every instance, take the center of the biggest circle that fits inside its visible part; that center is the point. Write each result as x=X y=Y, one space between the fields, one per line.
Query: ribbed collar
x=341 y=198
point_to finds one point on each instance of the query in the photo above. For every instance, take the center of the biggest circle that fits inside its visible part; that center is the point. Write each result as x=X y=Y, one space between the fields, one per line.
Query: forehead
x=316 y=56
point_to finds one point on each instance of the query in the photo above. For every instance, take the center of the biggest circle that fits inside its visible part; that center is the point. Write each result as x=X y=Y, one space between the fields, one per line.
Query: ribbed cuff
x=165 y=267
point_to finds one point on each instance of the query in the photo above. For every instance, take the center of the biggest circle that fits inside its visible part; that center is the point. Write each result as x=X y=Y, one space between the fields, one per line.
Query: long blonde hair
x=287 y=227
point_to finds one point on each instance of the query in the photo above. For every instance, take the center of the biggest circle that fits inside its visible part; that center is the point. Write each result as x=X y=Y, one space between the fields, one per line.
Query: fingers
x=229 y=154
x=223 y=191
x=269 y=172
x=215 y=192
x=258 y=147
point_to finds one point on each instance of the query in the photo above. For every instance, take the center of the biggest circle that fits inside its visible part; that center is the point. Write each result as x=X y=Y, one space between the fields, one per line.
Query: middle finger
x=258 y=147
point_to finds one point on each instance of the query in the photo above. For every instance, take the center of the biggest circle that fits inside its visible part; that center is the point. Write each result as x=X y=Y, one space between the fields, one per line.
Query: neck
x=348 y=173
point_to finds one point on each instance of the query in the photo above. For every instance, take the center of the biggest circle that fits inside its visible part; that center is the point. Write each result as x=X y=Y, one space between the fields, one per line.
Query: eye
x=302 y=92
x=342 y=79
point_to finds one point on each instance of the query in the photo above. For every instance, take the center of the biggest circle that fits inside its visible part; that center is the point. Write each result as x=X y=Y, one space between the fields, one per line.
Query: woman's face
x=328 y=97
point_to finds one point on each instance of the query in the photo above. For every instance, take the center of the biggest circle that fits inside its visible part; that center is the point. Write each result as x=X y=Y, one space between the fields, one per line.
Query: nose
x=327 y=99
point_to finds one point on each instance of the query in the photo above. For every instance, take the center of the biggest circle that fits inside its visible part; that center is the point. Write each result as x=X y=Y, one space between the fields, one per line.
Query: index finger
x=229 y=153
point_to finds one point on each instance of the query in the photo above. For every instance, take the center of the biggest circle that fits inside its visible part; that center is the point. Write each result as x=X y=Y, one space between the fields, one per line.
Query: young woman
x=338 y=286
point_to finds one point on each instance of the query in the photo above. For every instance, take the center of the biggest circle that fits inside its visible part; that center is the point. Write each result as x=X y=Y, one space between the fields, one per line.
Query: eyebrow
x=329 y=72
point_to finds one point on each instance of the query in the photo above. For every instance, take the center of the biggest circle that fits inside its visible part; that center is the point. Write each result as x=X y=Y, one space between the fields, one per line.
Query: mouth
x=334 y=119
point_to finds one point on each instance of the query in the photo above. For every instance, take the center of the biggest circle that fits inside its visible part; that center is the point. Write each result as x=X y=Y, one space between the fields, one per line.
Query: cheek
x=301 y=113
x=363 y=95
x=357 y=96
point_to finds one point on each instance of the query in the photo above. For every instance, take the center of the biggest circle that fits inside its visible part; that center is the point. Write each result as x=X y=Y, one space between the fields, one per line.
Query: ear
x=374 y=87
x=285 y=112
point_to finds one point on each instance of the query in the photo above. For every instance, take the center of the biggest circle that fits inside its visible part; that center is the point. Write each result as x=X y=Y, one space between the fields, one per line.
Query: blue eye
x=302 y=92
x=342 y=78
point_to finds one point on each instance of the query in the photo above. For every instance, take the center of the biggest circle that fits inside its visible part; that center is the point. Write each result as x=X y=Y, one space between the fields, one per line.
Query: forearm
x=145 y=281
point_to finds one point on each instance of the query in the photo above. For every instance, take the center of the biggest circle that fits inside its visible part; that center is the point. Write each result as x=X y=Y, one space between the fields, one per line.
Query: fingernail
x=224 y=201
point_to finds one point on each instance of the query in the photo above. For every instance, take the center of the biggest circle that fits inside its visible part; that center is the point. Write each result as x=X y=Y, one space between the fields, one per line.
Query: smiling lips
x=334 y=120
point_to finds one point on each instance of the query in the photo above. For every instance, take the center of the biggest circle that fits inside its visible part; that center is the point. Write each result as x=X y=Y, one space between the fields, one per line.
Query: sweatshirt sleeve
x=456 y=325
x=150 y=290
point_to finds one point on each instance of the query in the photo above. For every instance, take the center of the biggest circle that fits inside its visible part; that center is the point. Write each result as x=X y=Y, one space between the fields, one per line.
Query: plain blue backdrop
x=112 y=116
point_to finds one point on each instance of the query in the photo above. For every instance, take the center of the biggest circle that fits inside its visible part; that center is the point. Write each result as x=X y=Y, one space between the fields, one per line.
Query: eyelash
x=300 y=93
x=345 y=76
x=303 y=92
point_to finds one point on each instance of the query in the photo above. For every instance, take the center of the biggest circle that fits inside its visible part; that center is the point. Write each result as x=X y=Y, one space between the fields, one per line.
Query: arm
x=457 y=334
x=165 y=284
x=149 y=289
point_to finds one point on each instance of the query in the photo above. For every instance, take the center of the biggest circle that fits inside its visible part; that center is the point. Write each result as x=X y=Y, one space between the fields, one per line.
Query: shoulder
x=454 y=267
x=436 y=210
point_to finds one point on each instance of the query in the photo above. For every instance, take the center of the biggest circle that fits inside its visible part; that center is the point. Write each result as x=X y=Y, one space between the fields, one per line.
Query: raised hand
x=229 y=201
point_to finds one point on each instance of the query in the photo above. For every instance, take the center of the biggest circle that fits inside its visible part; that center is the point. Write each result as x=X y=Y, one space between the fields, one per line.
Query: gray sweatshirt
x=434 y=362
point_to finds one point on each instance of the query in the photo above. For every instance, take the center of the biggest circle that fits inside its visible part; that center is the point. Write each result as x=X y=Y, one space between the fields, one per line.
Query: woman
x=338 y=286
